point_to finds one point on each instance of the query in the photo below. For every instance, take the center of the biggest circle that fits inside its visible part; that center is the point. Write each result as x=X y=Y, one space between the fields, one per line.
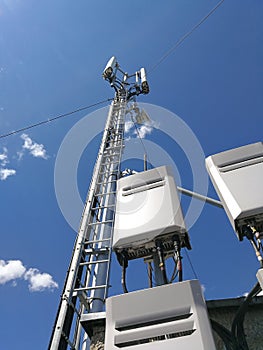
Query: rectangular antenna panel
x=168 y=317
x=147 y=207
x=237 y=176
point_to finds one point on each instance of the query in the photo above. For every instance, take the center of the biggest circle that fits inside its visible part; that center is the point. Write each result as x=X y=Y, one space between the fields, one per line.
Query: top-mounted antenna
x=135 y=84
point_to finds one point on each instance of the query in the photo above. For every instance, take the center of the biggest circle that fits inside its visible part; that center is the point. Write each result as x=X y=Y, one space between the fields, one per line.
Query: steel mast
x=87 y=280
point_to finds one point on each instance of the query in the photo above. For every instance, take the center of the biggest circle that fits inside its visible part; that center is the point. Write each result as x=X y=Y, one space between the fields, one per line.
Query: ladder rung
x=100 y=223
x=113 y=147
x=114 y=130
x=112 y=157
x=101 y=250
x=109 y=163
x=104 y=207
x=97 y=262
x=105 y=183
x=104 y=194
x=98 y=241
x=90 y=288
x=94 y=262
x=107 y=170
x=114 y=137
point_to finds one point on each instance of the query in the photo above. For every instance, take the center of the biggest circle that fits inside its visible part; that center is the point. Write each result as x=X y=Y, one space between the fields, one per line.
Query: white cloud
x=141 y=129
x=147 y=128
x=39 y=281
x=127 y=126
x=4 y=157
x=20 y=155
x=37 y=150
x=144 y=130
x=5 y=173
x=11 y=270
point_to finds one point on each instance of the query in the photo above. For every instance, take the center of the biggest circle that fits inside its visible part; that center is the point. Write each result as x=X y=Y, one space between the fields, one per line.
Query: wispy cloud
x=35 y=149
x=13 y=270
x=140 y=123
x=141 y=130
x=128 y=125
x=39 y=281
x=20 y=155
x=147 y=128
x=5 y=173
x=4 y=157
x=144 y=130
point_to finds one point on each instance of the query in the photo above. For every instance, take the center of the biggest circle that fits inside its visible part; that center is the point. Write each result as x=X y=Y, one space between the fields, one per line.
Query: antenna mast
x=87 y=280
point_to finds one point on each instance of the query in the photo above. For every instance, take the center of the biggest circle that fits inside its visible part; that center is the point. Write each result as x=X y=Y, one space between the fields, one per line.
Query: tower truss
x=87 y=280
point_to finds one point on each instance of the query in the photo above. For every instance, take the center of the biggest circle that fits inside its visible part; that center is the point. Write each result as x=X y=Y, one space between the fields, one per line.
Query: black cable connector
x=122 y=258
x=251 y=233
x=177 y=250
x=159 y=249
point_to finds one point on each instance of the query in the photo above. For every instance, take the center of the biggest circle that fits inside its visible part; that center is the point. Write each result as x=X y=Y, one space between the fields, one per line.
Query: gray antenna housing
x=168 y=317
x=237 y=176
x=148 y=207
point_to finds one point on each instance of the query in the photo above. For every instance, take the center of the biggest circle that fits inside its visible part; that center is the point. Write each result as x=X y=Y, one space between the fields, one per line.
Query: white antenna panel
x=147 y=207
x=168 y=317
x=237 y=176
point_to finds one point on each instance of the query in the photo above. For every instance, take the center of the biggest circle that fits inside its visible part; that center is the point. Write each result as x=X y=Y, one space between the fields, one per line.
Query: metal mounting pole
x=209 y=200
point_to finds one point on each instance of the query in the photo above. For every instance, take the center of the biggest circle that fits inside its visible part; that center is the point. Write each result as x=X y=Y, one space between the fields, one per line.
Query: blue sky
x=52 y=57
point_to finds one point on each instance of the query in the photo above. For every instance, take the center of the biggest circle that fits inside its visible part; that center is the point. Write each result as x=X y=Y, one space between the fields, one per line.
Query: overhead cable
x=190 y=262
x=54 y=118
x=170 y=51
x=185 y=36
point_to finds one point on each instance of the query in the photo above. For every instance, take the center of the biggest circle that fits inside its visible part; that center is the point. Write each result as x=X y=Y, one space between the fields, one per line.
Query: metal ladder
x=87 y=281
